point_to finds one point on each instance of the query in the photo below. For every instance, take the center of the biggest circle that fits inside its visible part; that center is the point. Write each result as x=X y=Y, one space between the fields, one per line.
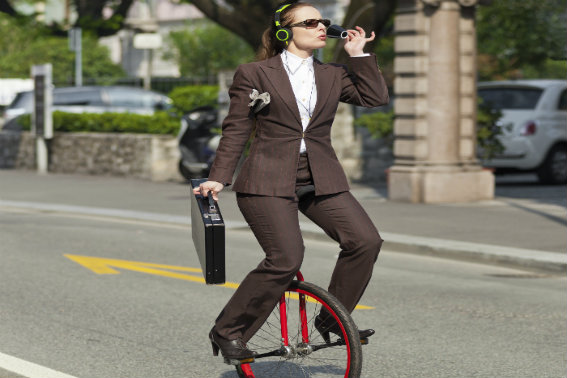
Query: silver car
x=94 y=99
x=533 y=125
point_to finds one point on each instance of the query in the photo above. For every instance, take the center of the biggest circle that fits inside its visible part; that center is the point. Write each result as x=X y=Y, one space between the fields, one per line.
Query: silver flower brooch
x=259 y=101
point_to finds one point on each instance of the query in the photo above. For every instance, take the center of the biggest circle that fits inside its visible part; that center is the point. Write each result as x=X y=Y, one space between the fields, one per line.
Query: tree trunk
x=6 y=7
x=88 y=9
x=247 y=19
x=90 y=16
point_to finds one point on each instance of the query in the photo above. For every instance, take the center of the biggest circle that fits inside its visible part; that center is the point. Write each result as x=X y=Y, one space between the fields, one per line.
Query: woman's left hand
x=356 y=40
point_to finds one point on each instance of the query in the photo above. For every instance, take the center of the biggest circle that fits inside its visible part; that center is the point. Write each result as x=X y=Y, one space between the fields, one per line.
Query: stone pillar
x=347 y=143
x=435 y=105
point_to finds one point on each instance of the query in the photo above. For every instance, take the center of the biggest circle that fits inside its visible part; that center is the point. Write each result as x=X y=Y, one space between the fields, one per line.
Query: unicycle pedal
x=236 y=362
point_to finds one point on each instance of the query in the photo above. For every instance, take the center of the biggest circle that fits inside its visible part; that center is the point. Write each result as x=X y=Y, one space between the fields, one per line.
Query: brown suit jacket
x=271 y=166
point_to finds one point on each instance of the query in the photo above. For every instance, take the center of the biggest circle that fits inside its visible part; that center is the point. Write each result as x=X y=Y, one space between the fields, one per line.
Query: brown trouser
x=275 y=223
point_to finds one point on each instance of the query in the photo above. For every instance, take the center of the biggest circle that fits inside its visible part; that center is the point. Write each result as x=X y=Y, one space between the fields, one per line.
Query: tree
x=90 y=15
x=25 y=43
x=515 y=37
x=202 y=50
x=246 y=18
x=249 y=18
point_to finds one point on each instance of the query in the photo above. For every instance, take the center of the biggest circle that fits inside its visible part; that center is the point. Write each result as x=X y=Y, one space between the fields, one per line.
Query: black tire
x=554 y=168
x=325 y=360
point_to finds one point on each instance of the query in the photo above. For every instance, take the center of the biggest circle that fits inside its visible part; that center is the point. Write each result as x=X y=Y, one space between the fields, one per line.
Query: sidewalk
x=524 y=226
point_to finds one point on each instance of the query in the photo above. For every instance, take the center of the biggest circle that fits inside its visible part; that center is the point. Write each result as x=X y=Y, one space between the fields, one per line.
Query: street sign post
x=148 y=42
x=42 y=121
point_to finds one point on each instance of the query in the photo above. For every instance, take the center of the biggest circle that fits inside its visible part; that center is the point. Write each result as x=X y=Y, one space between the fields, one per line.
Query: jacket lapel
x=278 y=79
x=324 y=83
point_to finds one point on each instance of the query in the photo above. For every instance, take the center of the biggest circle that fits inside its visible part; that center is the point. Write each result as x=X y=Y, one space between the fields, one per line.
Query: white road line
x=111 y=213
x=128 y=214
x=29 y=369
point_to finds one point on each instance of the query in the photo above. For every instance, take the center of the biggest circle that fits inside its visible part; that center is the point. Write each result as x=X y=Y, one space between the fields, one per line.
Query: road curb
x=553 y=262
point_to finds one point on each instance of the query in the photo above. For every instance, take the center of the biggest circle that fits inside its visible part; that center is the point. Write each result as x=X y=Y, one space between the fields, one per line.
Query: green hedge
x=158 y=123
x=487 y=132
x=184 y=99
x=192 y=96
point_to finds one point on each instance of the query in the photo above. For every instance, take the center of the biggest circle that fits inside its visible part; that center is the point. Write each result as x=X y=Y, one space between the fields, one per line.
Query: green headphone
x=283 y=34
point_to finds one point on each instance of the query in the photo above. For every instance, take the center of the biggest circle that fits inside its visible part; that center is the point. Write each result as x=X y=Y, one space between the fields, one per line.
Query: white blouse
x=302 y=78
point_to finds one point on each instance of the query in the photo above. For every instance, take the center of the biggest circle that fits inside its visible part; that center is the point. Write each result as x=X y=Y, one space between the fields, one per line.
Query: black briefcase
x=207 y=227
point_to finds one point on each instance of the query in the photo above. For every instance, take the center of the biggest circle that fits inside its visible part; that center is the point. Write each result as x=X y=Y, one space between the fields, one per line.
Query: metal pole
x=41 y=116
x=41 y=155
x=148 y=77
x=78 y=58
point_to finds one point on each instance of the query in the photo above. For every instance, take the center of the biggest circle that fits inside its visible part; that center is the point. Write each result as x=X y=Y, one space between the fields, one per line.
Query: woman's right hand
x=212 y=186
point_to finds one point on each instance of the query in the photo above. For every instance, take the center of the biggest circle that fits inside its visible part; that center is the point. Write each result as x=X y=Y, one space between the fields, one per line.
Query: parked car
x=93 y=99
x=533 y=125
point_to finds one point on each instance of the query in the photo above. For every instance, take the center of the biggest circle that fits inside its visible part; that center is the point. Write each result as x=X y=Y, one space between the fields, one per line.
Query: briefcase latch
x=213 y=213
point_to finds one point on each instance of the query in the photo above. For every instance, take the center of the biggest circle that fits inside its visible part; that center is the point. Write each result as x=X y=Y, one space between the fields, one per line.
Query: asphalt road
x=433 y=317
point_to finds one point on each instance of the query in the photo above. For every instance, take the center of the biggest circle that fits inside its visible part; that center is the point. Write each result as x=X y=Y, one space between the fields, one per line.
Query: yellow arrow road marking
x=101 y=265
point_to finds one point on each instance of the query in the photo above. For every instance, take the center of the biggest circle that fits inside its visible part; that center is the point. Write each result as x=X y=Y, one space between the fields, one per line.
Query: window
x=79 y=96
x=511 y=98
x=562 y=101
x=128 y=98
x=22 y=100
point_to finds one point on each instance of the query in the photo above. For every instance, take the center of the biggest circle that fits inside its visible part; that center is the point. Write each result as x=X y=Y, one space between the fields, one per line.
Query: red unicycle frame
x=302 y=348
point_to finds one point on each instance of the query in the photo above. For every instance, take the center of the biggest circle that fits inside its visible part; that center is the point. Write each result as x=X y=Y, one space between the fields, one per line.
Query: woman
x=292 y=150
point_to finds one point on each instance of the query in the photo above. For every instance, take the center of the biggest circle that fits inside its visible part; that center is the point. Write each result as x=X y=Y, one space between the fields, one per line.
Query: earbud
x=336 y=31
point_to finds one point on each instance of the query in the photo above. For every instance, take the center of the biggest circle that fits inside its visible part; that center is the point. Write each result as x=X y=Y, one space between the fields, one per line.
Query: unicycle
x=289 y=344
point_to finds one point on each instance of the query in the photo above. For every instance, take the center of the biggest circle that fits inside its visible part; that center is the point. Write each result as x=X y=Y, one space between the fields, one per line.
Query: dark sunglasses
x=312 y=23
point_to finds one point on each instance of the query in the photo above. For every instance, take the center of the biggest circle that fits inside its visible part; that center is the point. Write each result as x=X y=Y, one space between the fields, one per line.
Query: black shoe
x=324 y=329
x=230 y=349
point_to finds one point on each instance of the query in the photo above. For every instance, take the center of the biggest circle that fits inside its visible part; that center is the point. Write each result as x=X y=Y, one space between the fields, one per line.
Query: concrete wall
x=17 y=150
x=153 y=157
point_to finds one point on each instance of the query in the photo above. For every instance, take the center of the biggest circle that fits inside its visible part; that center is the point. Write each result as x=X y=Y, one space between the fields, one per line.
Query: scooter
x=197 y=142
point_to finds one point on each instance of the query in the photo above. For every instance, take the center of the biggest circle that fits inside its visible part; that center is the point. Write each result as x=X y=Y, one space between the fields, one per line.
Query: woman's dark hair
x=271 y=46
